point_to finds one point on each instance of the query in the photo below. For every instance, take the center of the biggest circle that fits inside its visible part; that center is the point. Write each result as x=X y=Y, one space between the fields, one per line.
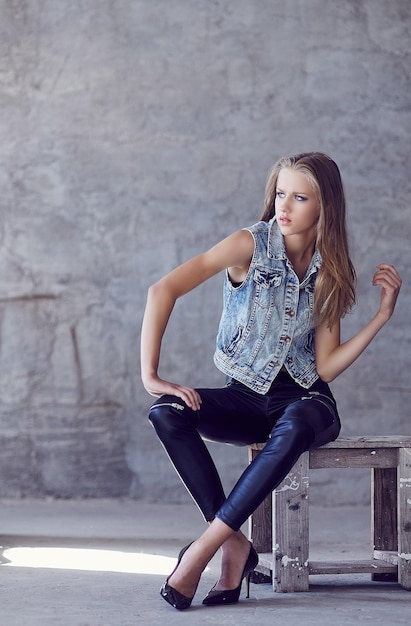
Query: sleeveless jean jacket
x=267 y=321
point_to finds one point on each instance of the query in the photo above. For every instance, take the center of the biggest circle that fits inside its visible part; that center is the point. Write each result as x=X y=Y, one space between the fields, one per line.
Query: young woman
x=288 y=282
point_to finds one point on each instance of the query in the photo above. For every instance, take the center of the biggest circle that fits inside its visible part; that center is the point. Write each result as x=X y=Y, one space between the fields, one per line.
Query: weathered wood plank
x=290 y=530
x=389 y=556
x=353 y=458
x=404 y=521
x=384 y=517
x=350 y=567
x=383 y=441
x=265 y=563
x=337 y=567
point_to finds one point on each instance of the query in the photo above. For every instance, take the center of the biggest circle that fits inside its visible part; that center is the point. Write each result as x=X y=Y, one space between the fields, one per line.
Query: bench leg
x=404 y=517
x=290 y=530
x=384 y=520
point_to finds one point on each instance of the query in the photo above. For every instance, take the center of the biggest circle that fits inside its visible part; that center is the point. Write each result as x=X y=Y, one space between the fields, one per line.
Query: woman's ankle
x=235 y=540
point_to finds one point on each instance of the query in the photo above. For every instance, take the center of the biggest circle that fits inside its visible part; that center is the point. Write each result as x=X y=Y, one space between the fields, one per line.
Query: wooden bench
x=279 y=528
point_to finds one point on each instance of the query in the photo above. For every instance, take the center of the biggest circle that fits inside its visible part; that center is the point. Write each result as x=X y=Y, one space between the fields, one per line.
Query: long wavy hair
x=335 y=286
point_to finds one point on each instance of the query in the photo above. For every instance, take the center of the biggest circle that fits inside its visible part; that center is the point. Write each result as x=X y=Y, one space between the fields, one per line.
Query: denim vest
x=266 y=321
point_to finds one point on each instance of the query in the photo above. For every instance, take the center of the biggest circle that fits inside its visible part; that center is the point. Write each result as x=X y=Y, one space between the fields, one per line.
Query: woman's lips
x=284 y=220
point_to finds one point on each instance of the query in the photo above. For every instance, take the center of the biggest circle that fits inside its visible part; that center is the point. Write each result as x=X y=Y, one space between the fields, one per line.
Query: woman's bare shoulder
x=237 y=249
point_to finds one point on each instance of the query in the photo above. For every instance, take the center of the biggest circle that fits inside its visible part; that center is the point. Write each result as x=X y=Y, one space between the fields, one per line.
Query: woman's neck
x=299 y=254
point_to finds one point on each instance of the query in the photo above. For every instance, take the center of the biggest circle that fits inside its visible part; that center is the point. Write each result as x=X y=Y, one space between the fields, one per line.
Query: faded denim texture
x=266 y=321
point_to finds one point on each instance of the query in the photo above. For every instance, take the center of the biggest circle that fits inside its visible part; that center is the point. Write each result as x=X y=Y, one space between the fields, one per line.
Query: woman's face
x=297 y=209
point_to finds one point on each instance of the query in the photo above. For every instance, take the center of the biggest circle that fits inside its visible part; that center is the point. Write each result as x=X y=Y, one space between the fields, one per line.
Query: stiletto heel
x=171 y=595
x=230 y=596
x=247 y=580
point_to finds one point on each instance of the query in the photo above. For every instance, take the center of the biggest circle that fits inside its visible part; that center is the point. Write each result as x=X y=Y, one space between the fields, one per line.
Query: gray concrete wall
x=136 y=133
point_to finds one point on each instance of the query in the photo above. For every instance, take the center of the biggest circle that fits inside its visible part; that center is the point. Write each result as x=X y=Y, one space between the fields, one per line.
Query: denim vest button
x=291 y=313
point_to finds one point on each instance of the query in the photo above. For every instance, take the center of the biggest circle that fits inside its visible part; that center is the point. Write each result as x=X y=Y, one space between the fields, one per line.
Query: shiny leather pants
x=288 y=418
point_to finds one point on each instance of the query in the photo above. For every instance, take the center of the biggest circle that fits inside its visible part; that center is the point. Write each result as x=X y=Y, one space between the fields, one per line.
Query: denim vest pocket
x=234 y=342
x=267 y=277
x=266 y=280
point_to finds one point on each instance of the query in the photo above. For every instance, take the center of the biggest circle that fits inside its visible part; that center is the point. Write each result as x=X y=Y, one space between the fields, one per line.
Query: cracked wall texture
x=135 y=134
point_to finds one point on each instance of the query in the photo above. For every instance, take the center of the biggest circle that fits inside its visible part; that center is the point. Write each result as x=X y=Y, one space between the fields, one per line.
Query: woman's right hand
x=156 y=386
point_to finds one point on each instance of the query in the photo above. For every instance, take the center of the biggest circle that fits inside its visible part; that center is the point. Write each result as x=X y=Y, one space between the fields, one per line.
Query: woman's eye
x=280 y=194
x=300 y=198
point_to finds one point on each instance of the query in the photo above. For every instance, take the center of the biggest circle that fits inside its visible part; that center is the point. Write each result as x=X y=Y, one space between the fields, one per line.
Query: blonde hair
x=334 y=294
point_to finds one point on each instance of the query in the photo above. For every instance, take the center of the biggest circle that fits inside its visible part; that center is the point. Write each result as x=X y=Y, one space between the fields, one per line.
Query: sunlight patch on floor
x=88 y=559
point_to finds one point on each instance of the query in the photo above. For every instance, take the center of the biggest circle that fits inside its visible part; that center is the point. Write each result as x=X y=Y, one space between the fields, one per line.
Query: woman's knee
x=167 y=415
x=293 y=433
x=322 y=417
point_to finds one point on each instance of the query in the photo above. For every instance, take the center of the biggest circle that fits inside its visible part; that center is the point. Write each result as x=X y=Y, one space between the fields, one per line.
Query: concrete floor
x=101 y=563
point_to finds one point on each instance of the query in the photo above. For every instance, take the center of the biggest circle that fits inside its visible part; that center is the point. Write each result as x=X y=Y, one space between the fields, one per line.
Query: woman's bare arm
x=332 y=358
x=233 y=252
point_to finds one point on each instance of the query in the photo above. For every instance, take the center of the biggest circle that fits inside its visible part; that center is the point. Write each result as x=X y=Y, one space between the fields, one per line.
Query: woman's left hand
x=389 y=280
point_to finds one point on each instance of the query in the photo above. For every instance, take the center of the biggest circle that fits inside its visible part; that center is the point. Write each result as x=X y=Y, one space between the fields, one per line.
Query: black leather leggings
x=289 y=418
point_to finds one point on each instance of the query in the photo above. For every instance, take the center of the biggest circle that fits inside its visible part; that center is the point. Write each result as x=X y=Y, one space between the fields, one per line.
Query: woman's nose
x=285 y=205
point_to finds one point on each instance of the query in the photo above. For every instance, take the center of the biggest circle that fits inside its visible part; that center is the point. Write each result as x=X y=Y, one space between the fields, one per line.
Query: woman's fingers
x=159 y=387
x=190 y=396
x=387 y=273
x=389 y=280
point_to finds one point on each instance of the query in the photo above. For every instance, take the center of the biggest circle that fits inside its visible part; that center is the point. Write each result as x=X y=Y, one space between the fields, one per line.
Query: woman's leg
x=288 y=440
x=186 y=577
x=303 y=424
x=176 y=427
x=233 y=414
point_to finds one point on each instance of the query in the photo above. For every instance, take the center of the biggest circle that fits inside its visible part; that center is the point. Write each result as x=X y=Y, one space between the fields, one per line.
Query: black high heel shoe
x=231 y=596
x=171 y=595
